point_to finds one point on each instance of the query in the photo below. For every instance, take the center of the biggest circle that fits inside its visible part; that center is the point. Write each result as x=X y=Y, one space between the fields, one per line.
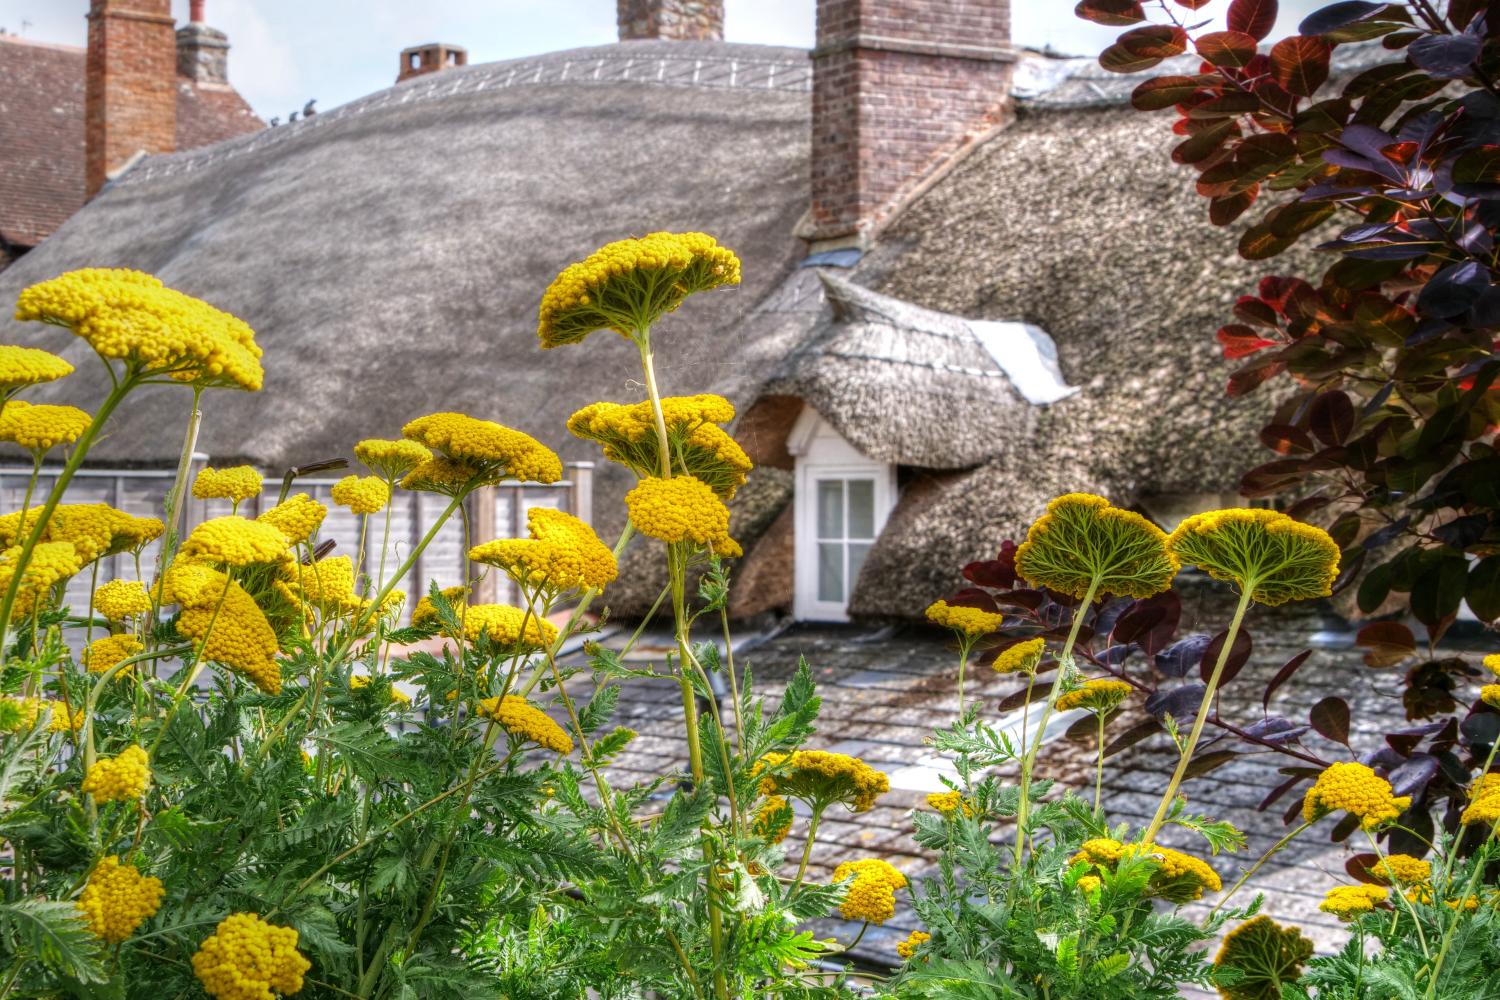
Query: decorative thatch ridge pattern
x=678 y=64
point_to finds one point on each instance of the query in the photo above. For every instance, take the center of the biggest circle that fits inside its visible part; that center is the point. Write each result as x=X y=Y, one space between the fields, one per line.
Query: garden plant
x=240 y=774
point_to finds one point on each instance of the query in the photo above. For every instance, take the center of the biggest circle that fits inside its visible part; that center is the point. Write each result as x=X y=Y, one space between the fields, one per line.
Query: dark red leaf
x=1227 y=105
x=1239 y=655
x=1331 y=417
x=1280 y=790
x=1135 y=734
x=1253 y=310
x=1205 y=763
x=1300 y=64
x=1386 y=643
x=1118 y=59
x=1229 y=49
x=973 y=597
x=1337 y=15
x=1224 y=210
x=1149 y=623
x=1192 y=4
x=1154 y=41
x=1254 y=17
x=1330 y=717
x=1343 y=828
x=1250 y=377
x=1116 y=12
x=1163 y=92
x=1284 y=439
x=1359 y=868
x=1085 y=729
x=1483 y=589
x=1016 y=699
x=1283 y=675
x=1272 y=477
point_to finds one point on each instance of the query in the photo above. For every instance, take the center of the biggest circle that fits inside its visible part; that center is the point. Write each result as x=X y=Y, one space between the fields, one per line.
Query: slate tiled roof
x=41 y=133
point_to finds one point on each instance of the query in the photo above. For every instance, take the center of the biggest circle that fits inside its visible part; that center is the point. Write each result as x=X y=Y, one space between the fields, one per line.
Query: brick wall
x=674 y=20
x=131 y=95
x=899 y=86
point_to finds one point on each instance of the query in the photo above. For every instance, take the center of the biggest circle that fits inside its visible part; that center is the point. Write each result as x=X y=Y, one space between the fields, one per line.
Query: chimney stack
x=671 y=20
x=899 y=87
x=202 y=52
x=434 y=57
x=130 y=102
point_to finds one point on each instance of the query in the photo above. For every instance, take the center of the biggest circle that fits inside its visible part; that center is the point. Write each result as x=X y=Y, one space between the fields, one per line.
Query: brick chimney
x=202 y=52
x=899 y=88
x=434 y=57
x=671 y=20
x=130 y=102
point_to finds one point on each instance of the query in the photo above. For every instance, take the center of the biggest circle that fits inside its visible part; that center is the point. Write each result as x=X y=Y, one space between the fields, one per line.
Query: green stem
x=1401 y=897
x=1256 y=867
x=1203 y=708
x=963 y=662
x=1028 y=761
x=75 y=460
x=812 y=835
x=1458 y=909
x=584 y=600
x=1099 y=766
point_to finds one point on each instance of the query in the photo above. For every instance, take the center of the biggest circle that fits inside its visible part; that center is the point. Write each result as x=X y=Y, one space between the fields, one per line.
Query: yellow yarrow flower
x=872 y=893
x=248 y=959
x=1082 y=541
x=42 y=427
x=1490 y=695
x=237 y=483
x=425 y=613
x=118 y=899
x=121 y=778
x=362 y=494
x=773 y=821
x=235 y=541
x=1102 y=695
x=445 y=476
x=1178 y=877
x=1352 y=787
x=950 y=803
x=1087 y=884
x=502 y=625
x=391 y=459
x=298 y=516
x=1403 y=869
x=20 y=715
x=50 y=564
x=697 y=445
x=62 y=721
x=1484 y=800
x=224 y=622
x=680 y=509
x=1022 y=658
x=563 y=553
x=93 y=529
x=525 y=721
x=118 y=600
x=821 y=778
x=499 y=452
x=1492 y=663
x=23 y=366
x=1349 y=901
x=102 y=654
x=969 y=623
x=130 y=316
x=1266 y=955
x=906 y=949
x=1263 y=551
x=327 y=584
x=395 y=696
x=628 y=285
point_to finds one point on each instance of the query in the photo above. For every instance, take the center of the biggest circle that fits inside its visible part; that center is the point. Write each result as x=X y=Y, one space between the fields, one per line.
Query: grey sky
x=286 y=51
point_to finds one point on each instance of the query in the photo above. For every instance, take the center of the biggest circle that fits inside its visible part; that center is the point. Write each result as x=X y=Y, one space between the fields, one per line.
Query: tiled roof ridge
x=733 y=68
x=36 y=44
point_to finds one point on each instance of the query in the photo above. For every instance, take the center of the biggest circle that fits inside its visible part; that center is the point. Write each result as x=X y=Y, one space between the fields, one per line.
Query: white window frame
x=822 y=453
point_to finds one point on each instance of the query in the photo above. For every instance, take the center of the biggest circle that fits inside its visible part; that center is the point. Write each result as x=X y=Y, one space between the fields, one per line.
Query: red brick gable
x=41 y=133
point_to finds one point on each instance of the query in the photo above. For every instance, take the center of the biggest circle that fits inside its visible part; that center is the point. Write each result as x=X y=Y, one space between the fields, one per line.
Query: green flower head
x=1267 y=554
x=1083 y=543
x=1263 y=955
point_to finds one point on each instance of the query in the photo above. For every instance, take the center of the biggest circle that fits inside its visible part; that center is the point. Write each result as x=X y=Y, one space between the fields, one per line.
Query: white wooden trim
x=822 y=453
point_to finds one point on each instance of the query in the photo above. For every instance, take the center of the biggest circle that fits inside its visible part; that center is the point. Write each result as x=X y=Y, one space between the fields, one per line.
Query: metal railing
x=494 y=512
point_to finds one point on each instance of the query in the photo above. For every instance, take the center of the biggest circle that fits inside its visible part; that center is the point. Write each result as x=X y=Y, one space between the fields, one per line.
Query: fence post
x=481 y=529
x=582 y=493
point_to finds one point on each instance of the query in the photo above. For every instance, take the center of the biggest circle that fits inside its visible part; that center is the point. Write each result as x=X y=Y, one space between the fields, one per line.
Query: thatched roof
x=391 y=253
x=1075 y=221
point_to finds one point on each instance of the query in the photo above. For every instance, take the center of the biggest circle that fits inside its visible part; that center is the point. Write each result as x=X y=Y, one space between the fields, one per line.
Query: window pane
x=861 y=508
x=857 y=555
x=831 y=572
x=830 y=508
